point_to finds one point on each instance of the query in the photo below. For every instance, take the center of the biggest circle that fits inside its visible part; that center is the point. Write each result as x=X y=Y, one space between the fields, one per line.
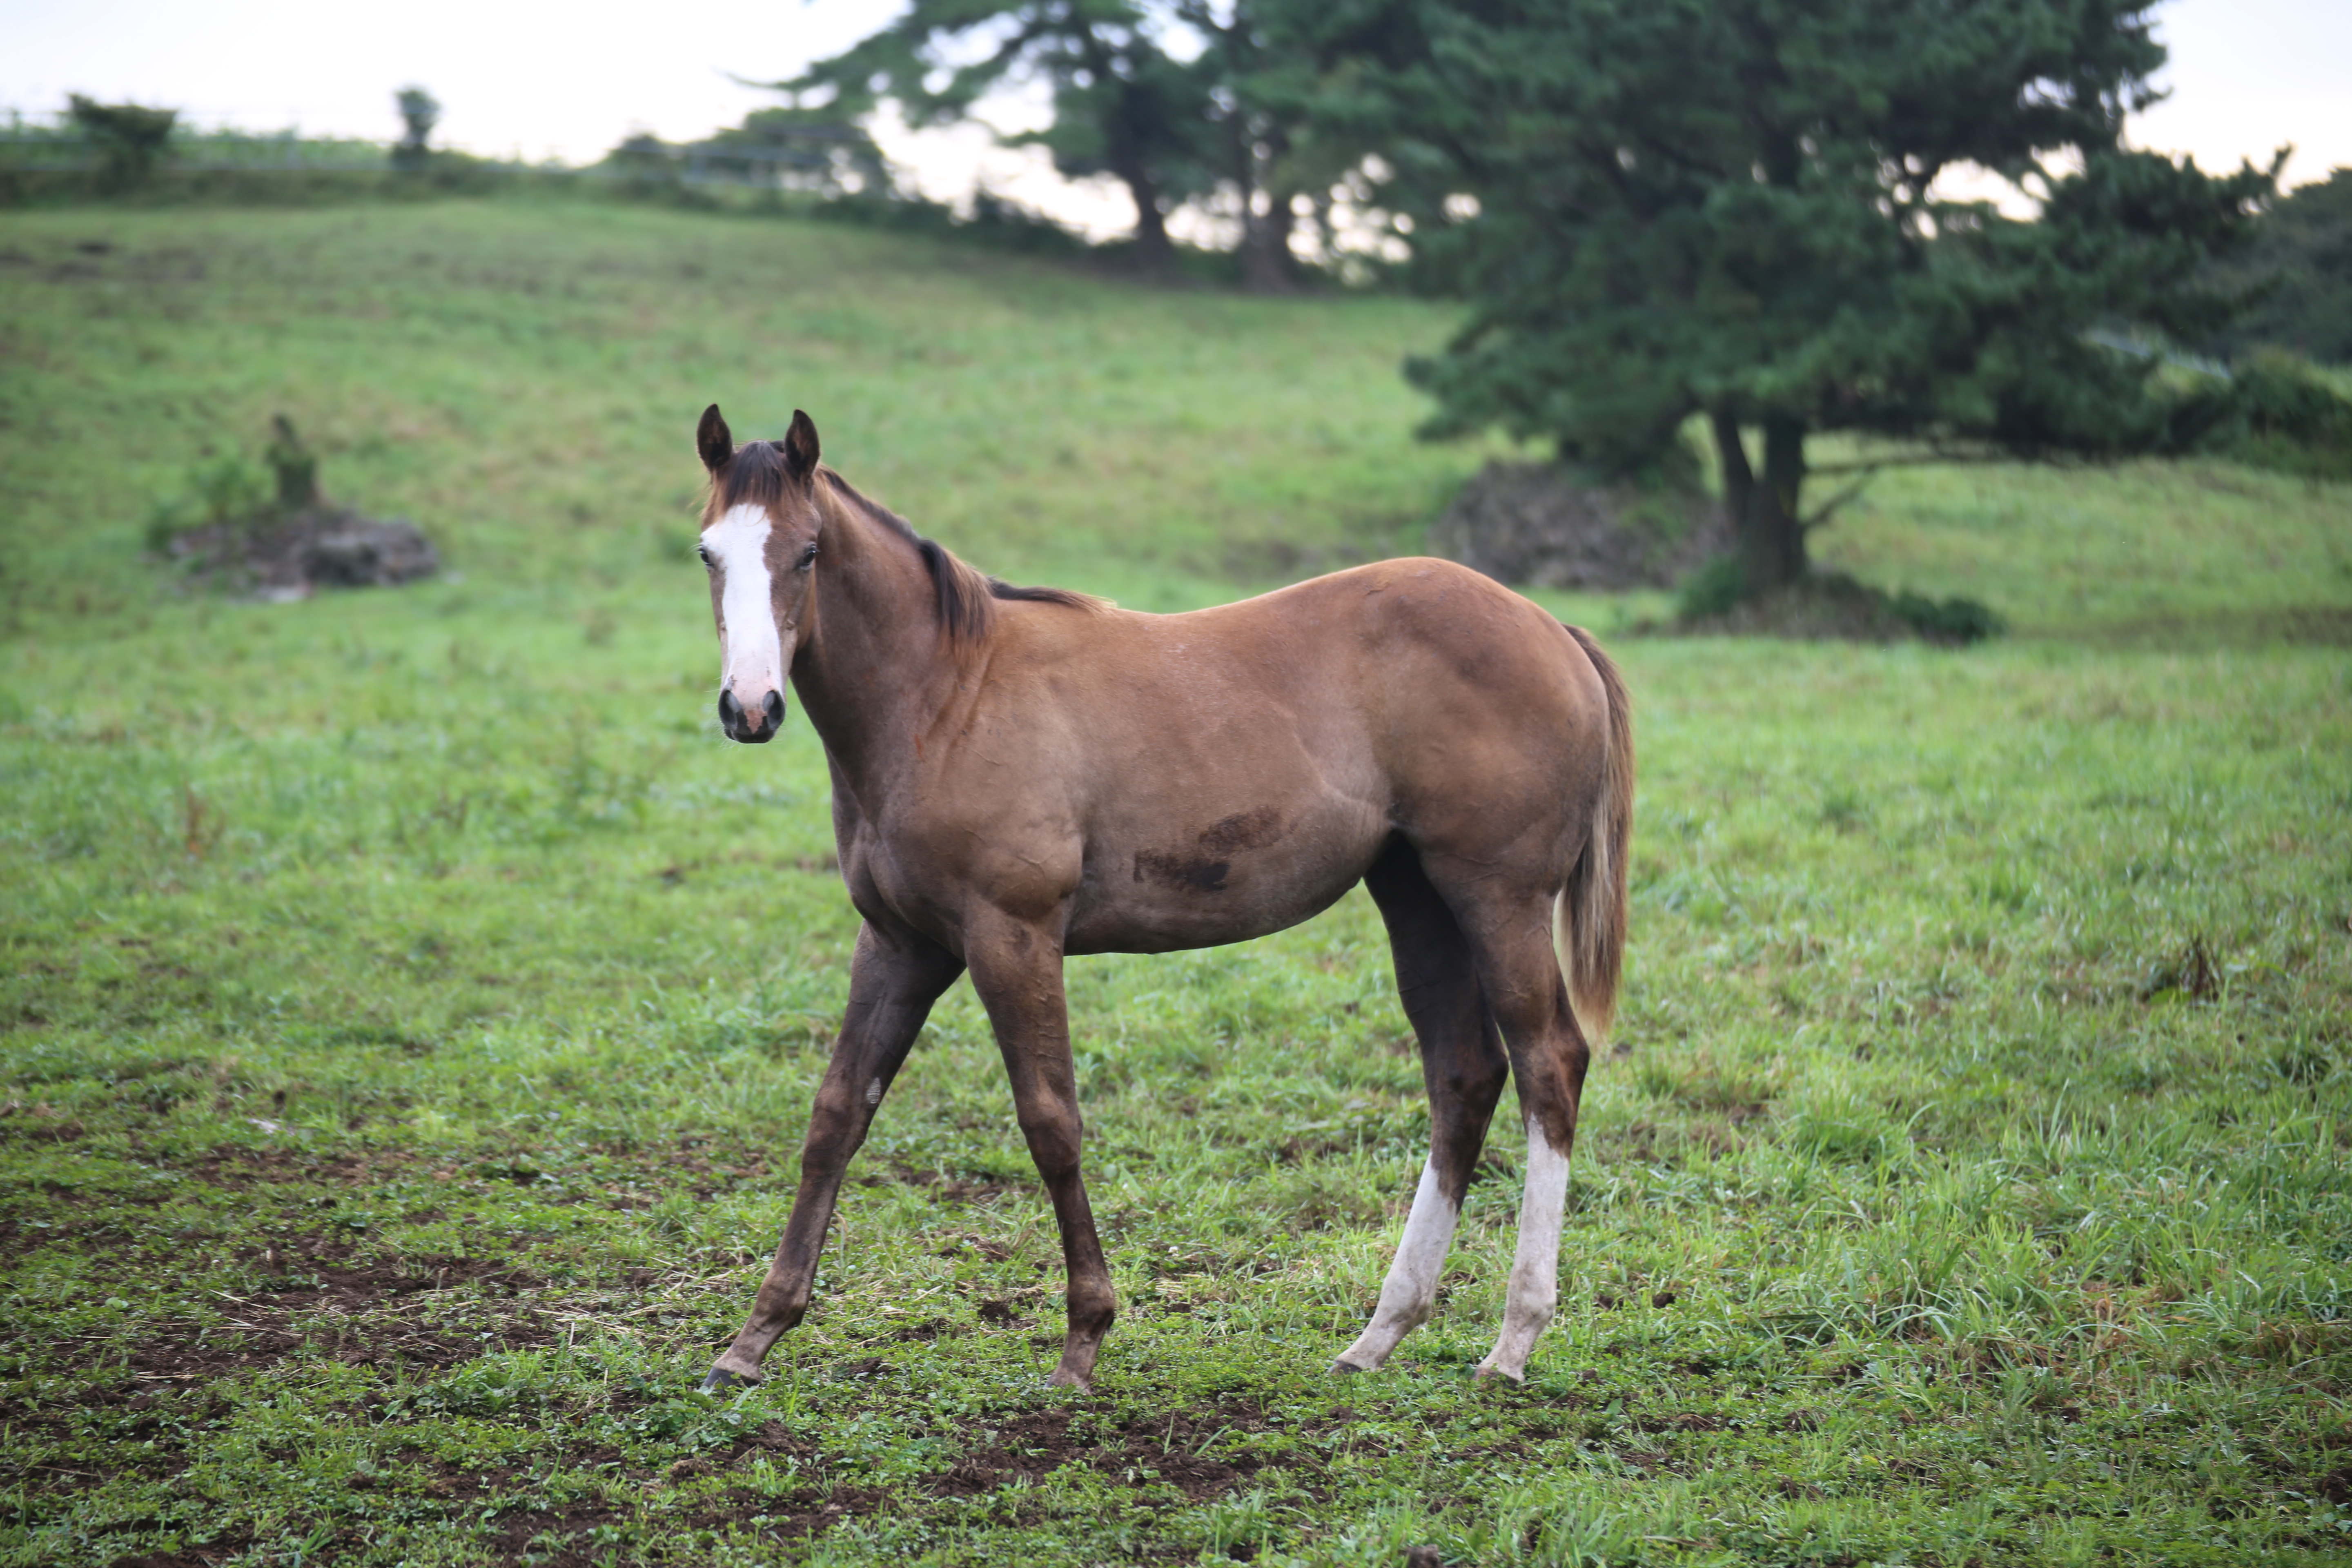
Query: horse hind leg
x=1549 y=1056
x=1463 y=1068
x=1534 y=1290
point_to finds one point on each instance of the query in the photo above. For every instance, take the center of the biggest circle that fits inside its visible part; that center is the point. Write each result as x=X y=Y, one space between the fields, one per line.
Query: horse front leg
x=1017 y=971
x=893 y=978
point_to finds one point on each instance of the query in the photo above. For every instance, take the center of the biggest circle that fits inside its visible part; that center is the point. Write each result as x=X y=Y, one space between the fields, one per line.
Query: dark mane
x=966 y=598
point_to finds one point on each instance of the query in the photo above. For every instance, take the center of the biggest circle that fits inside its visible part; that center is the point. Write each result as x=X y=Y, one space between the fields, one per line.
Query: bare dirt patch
x=793 y=1515
x=1033 y=1446
x=1536 y=522
x=292 y=556
x=320 y=1301
x=1688 y=1421
x=185 y=1557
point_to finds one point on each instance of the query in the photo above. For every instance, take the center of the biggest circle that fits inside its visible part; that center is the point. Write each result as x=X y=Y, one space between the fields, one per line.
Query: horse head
x=759 y=540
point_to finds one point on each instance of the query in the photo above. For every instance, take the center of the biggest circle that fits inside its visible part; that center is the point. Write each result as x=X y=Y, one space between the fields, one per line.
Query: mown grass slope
x=411 y=1004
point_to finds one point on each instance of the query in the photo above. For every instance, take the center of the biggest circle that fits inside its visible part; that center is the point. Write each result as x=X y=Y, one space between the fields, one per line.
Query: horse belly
x=1242 y=875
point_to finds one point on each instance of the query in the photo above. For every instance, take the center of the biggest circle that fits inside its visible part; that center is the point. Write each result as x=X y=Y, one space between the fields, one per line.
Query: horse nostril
x=730 y=712
x=774 y=707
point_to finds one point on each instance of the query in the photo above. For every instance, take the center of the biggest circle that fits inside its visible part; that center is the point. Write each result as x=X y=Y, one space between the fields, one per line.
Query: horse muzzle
x=752 y=726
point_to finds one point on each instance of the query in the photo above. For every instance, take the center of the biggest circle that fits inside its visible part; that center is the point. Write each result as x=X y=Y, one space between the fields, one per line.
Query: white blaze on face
x=751 y=656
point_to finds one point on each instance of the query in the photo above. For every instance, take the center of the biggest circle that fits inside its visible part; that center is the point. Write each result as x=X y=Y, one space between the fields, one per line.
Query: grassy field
x=411 y=1004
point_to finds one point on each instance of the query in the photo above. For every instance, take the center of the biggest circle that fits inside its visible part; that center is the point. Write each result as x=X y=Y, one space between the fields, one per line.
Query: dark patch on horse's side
x=1179 y=871
x=1243 y=830
x=1204 y=872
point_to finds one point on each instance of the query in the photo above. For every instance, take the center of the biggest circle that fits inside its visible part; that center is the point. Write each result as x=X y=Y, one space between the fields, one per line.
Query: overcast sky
x=568 y=81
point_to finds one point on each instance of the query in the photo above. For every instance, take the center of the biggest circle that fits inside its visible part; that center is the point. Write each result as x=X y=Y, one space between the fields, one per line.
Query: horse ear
x=714 y=440
x=799 y=445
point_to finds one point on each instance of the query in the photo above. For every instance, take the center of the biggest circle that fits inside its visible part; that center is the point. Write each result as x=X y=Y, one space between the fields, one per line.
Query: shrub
x=130 y=139
x=1710 y=591
x=1954 y=620
x=2291 y=419
x=2275 y=411
x=1826 y=605
x=225 y=490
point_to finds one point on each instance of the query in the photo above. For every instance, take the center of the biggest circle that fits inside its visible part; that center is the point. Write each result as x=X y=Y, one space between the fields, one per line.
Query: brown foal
x=1022 y=774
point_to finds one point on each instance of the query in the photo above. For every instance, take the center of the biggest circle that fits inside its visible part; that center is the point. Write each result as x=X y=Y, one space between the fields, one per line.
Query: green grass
x=412 y=1005
x=2147 y=551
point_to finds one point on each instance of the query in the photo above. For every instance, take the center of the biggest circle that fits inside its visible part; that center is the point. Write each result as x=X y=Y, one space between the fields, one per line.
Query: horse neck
x=875 y=667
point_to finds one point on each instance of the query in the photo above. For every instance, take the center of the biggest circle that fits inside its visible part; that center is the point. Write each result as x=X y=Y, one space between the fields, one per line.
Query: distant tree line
x=786 y=148
x=127 y=149
x=2299 y=268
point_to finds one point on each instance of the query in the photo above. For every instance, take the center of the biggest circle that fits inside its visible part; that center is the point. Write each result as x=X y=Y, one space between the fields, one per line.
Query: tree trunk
x=1765 y=518
x=1779 y=525
x=1738 y=478
x=1153 y=251
x=1265 y=248
x=1123 y=149
x=1265 y=241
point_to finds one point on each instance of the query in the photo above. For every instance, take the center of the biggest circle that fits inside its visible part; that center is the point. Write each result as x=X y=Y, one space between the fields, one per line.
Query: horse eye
x=808 y=556
x=704 y=551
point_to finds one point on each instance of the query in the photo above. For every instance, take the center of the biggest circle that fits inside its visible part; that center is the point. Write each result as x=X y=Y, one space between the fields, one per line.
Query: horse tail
x=1589 y=915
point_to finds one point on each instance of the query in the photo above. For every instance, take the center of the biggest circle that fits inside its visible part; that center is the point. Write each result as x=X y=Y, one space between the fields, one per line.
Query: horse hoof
x=1489 y=1373
x=1347 y=1368
x=720 y=1380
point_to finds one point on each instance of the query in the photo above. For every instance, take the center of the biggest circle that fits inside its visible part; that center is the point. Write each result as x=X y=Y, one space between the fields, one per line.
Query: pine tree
x=1662 y=208
x=420 y=111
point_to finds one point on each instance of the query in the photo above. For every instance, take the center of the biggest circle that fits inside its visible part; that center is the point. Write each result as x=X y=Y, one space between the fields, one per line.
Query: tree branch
x=1829 y=508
